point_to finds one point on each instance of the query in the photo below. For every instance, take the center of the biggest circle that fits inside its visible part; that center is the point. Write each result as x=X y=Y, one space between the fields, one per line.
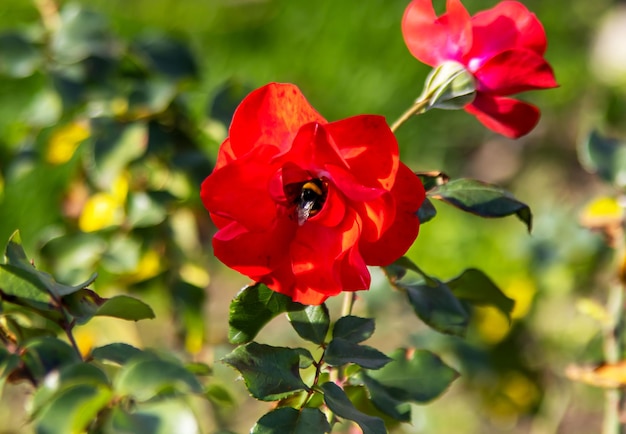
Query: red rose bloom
x=502 y=48
x=303 y=205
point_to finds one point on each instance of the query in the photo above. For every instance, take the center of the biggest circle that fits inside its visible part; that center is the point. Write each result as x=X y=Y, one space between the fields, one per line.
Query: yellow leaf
x=149 y=265
x=101 y=210
x=491 y=324
x=64 y=142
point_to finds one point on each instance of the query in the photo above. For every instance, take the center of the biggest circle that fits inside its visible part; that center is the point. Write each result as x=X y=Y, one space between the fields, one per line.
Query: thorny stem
x=318 y=371
x=68 y=327
x=417 y=108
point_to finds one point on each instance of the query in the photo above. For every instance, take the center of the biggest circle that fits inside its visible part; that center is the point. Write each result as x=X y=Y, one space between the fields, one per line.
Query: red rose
x=502 y=48
x=303 y=205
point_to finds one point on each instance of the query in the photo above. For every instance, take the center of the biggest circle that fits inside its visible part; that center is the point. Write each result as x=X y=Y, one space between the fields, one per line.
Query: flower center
x=311 y=199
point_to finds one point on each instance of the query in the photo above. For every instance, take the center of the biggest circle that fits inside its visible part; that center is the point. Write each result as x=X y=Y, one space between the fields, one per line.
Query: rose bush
x=501 y=47
x=303 y=205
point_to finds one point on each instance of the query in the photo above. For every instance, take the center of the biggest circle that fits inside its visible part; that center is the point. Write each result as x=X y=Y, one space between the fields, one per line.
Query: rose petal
x=225 y=154
x=369 y=147
x=509 y=117
x=514 y=71
x=288 y=174
x=376 y=215
x=239 y=191
x=315 y=251
x=508 y=25
x=312 y=149
x=334 y=209
x=353 y=271
x=270 y=115
x=254 y=254
x=350 y=186
x=409 y=194
x=433 y=40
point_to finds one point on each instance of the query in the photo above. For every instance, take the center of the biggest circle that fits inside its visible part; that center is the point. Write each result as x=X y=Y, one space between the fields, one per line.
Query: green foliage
x=270 y=373
x=474 y=287
x=74 y=393
x=605 y=156
x=254 y=307
x=438 y=307
x=311 y=323
x=418 y=377
x=290 y=420
x=353 y=328
x=337 y=401
x=481 y=199
x=444 y=306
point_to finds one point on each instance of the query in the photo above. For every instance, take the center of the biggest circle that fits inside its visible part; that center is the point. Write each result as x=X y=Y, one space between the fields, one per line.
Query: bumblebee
x=311 y=200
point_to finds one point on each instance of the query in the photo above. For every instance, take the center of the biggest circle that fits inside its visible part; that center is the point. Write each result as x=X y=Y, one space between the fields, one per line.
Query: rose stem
x=416 y=108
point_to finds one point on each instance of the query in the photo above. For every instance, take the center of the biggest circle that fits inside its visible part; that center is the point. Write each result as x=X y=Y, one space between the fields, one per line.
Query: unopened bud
x=449 y=86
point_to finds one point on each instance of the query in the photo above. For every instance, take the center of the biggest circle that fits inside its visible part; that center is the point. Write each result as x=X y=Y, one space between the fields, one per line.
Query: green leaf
x=144 y=210
x=353 y=328
x=73 y=255
x=81 y=34
x=18 y=264
x=114 y=147
x=147 y=376
x=156 y=417
x=23 y=331
x=19 y=57
x=68 y=376
x=475 y=287
x=427 y=211
x=311 y=323
x=220 y=395
x=119 y=353
x=482 y=199
x=73 y=409
x=420 y=377
x=151 y=96
x=287 y=420
x=337 y=401
x=198 y=368
x=60 y=289
x=82 y=305
x=605 y=156
x=189 y=303
x=123 y=254
x=306 y=358
x=398 y=269
x=125 y=307
x=270 y=373
x=385 y=402
x=14 y=253
x=254 y=307
x=437 y=307
x=8 y=363
x=167 y=56
x=24 y=289
x=341 y=351
x=45 y=354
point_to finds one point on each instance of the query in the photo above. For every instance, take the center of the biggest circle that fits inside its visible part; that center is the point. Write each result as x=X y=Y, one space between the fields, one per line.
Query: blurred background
x=111 y=113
